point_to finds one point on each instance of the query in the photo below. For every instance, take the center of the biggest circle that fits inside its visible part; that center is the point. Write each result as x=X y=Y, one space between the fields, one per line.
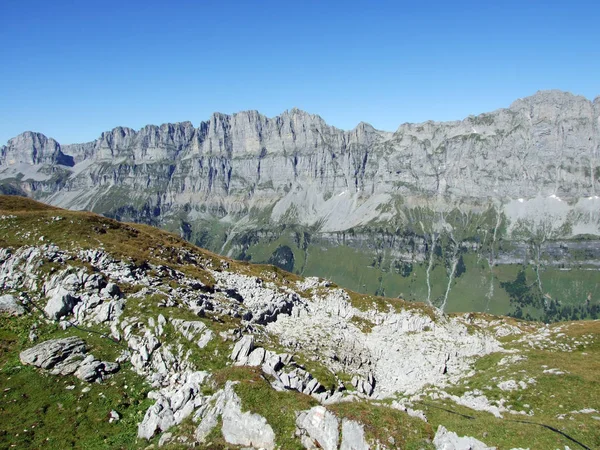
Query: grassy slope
x=38 y=411
x=66 y=417
x=549 y=397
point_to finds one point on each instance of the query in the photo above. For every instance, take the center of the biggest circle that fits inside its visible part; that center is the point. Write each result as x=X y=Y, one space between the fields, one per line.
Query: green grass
x=549 y=397
x=37 y=411
x=572 y=287
x=359 y=271
x=257 y=396
x=382 y=423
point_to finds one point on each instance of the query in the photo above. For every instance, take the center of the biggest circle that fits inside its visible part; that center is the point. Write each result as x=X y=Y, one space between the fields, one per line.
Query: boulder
x=242 y=349
x=91 y=369
x=205 y=338
x=67 y=356
x=321 y=426
x=111 y=290
x=239 y=428
x=353 y=436
x=256 y=357
x=61 y=302
x=159 y=417
x=246 y=428
x=48 y=354
x=448 y=440
x=9 y=305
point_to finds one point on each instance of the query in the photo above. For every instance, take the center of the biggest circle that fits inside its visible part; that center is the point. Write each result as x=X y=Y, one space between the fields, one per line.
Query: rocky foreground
x=233 y=355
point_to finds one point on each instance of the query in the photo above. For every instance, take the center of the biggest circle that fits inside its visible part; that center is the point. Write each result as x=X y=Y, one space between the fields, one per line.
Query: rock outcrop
x=448 y=440
x=238 y=428
x=68 y=356
x=10 y=306
x=319 y=428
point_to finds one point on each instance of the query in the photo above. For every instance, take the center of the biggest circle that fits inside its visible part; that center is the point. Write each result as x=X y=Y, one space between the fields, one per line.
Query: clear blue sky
x=74 y=69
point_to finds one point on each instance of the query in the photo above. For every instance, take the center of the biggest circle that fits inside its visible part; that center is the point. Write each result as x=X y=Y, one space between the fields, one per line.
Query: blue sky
x=74 y=69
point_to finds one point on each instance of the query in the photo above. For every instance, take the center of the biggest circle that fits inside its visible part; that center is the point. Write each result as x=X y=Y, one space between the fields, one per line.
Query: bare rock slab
x=10 y=306
x=68 y=356
x=448 y=440
x=321 y=426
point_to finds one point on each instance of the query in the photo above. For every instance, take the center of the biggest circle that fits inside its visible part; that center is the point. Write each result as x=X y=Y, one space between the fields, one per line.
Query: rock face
x=32 y=149
x=544 y=144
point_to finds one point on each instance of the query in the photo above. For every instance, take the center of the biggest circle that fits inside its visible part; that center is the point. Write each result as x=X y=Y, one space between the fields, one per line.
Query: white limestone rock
x=173 y=403
x=448 y=440
x=68 y=356
x=246 y=428
x=321 y=426
x=386 y=353
x=239 y=428
x=256 y=357
x=242 y=349
x=46 y=355
x=60 y=303
x=353 y=436
x=10 y=306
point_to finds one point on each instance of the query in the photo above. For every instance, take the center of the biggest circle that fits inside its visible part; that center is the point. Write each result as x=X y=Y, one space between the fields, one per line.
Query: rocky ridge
x=542 y=145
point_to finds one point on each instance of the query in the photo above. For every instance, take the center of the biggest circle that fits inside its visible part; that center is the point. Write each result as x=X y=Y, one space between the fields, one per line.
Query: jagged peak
x=547 y=96
x=364 y=126
x=31 y=135
x=297 y=112
x=542 y=96
x=118 y=130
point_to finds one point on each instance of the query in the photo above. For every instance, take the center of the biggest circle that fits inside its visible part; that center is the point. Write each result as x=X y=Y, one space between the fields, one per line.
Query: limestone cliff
x=528 y=173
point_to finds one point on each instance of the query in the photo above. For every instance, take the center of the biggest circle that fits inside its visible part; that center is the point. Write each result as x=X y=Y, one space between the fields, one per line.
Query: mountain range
x=458 y=214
